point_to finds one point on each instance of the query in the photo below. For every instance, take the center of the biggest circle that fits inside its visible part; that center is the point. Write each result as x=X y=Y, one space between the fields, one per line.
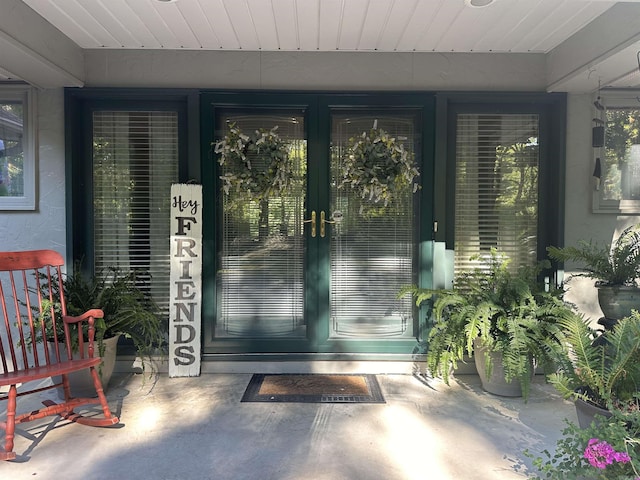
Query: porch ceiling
x=586 y=42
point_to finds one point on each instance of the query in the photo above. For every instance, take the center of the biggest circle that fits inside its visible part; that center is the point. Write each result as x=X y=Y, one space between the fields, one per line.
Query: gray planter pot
x=617 y=302
x=586 y=412
x=496 y=383
x=82 y=383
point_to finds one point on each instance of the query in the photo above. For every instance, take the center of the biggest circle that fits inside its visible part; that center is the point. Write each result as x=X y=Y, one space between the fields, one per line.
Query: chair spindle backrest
x=32 y=305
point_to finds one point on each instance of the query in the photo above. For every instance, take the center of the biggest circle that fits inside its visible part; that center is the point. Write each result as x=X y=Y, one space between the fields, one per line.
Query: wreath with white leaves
x=378 y=167
x=257 y=165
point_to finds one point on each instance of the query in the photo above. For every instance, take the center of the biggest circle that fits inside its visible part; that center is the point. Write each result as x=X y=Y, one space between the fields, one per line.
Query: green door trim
x=318 y=107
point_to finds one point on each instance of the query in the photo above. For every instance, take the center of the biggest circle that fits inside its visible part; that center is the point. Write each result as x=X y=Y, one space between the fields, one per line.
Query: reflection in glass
x=11 y=149
x=372 y=245
x=621 y=169
x=261 y=244
x=496 y=199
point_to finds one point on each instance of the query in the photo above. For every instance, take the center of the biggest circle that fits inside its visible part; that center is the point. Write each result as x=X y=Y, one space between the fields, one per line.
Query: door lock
x=312 y=221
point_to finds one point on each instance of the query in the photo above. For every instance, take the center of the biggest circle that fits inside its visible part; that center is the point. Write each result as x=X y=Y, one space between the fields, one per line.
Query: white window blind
x=135 y=161
x=496 y=192
x=373 y=246
x=261 y=244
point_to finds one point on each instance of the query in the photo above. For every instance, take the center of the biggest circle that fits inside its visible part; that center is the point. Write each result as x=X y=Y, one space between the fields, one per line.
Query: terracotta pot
x=586 y=412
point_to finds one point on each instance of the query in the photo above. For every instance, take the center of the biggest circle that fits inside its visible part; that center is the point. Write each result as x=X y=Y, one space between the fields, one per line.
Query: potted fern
x=599 y=370
x=615 y=268
x=129 y=311
x=507 y=319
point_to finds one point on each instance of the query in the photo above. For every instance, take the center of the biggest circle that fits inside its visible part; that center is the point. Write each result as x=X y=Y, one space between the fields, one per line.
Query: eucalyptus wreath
x=378 y=167
x=258 y=164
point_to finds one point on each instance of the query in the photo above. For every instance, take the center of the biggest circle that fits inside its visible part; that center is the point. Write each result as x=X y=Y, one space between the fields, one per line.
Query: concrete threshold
x=281 y=366
x=317 y=363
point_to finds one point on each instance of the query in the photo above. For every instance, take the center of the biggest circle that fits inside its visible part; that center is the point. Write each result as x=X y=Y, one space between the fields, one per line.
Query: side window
x=135 y=161
x=17 y=149
x=496 y=187
x=616 y=142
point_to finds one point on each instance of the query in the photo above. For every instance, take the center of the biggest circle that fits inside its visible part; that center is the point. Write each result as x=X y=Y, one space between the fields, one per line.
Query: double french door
x=314 y=267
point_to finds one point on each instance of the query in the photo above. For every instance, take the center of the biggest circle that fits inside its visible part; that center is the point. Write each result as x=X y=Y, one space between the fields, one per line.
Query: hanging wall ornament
x=257 y=165
x=378 y=167
x=597 y=138
x=597 y=173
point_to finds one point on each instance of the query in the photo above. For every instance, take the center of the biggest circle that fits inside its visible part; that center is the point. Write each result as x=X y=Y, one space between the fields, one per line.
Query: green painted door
x=314 y=266
x=370 y=247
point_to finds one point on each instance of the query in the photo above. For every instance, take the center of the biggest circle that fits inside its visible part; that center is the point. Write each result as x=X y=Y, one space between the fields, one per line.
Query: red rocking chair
x=32 y=311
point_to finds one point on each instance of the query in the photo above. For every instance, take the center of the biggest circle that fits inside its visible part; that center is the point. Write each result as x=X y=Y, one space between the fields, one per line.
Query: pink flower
x=600 y=454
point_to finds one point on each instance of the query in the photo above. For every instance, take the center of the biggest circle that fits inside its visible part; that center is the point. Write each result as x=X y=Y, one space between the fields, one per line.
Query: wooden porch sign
x=186 y=280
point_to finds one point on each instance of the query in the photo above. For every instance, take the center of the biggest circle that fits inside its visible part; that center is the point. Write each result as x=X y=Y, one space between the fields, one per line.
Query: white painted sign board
x=185 y=290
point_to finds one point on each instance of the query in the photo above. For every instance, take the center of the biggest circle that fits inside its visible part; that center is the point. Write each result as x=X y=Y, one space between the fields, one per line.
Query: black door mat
x=313 y=388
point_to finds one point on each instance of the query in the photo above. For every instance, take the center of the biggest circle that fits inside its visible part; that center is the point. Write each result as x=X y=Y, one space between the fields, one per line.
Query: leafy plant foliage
x=608 y=449
x=601 y=369
x=508 y=313
x=378 y=167
x=258 y=164
x=128 y=309
x=617 y=264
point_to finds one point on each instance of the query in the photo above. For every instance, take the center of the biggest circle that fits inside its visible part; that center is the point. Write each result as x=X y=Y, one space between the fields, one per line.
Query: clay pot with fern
x=129 y=312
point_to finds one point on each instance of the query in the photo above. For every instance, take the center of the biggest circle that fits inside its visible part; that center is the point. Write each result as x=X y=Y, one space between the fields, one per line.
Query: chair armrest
x=89 y=316
x=93 y=313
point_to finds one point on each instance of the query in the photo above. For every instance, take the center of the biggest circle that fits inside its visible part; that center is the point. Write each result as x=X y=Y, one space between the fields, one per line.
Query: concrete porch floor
x=197 y=428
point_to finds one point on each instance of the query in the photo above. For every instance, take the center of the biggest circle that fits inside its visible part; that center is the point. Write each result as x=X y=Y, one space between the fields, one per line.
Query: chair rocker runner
x=33 y=311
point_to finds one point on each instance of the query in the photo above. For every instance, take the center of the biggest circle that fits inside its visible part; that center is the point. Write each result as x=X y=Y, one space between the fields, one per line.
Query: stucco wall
x=336 y=71
x=580 y=222
x=45 y=227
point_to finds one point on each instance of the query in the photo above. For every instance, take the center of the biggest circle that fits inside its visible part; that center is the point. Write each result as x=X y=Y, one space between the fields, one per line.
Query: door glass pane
x=260 y=287
x=372 y=246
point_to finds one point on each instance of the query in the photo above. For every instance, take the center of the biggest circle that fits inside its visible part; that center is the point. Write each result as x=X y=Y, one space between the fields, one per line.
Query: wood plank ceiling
x=321 y=25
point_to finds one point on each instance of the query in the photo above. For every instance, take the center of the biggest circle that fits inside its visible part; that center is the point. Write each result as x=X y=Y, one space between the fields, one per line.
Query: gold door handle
x=312 y=220
x=322 y=222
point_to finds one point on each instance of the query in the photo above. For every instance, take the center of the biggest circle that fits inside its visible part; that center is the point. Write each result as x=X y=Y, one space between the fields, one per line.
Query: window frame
x=478 y=228
x=551 y=108
x=26 y=95
x=612 y=99
x=79 y=106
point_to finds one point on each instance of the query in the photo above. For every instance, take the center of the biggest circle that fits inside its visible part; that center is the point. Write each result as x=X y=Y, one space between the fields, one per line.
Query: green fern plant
x=603 y=369
x=617 y=264
x=129 y=310
x=506 y=312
